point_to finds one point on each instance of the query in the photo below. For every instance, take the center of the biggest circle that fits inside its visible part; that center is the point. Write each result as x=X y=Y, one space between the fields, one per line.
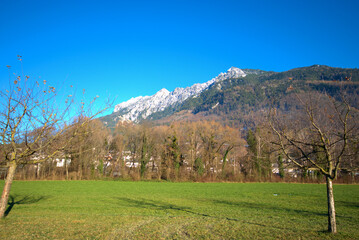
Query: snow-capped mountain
x=141 y=107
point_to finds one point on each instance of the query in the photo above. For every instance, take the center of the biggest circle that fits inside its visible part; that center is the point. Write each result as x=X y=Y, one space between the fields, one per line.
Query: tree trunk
x=67 y=170
x=7 y=187
x=332 y=225
x=38 y=170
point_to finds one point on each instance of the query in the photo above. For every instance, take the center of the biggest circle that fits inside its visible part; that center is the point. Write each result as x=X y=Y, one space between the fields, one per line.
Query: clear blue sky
x=132 y=48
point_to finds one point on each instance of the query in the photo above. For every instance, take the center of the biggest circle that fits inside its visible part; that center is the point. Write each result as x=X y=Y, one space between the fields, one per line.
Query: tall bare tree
x=32 y=123
x=318 y=138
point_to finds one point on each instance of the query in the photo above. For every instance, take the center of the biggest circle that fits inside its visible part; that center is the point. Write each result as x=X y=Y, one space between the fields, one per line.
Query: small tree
x=258 y=145
x=32 y=125
x=146 y=149
x=280 y=166
x=174 y=154
x=317 y=137
x=198 y=166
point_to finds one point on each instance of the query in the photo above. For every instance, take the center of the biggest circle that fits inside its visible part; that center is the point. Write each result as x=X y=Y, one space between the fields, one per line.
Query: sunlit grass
x=162 y=210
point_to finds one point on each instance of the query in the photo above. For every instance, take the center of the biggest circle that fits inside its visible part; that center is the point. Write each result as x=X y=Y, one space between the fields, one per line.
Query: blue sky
x=132 y=48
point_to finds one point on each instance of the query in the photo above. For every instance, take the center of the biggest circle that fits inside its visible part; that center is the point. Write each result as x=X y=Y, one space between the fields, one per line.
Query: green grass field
x=162 y=210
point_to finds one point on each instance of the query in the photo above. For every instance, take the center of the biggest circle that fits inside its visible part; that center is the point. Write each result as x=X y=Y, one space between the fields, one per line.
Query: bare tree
x=32 y=123
x=318 y=138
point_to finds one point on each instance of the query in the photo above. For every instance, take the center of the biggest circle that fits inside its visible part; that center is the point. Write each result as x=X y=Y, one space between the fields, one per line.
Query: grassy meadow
x=164 y=210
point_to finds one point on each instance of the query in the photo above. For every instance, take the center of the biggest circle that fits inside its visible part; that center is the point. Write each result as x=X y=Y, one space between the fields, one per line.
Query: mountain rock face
x=141 y=107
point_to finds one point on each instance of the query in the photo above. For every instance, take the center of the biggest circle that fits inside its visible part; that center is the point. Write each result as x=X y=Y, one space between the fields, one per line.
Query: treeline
x=183 y=151
x=180 y=152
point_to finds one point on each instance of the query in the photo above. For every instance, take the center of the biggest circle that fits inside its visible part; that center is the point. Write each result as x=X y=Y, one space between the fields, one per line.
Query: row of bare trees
x=183 y=151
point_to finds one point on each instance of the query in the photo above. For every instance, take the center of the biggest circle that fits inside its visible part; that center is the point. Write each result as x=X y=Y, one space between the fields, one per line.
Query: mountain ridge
x=141 y=107
x=234 y=96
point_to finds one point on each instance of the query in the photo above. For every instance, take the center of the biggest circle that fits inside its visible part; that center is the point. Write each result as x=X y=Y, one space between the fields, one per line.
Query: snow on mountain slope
x=141 y=107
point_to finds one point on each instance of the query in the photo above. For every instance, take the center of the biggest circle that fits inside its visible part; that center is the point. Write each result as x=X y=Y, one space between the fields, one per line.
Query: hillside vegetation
x=239 y=102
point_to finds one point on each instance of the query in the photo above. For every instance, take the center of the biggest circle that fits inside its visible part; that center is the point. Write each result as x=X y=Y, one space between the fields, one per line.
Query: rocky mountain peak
x=141 y=107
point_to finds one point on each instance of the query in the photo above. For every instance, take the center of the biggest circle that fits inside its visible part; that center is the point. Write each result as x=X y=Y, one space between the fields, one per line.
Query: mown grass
x=162 y=210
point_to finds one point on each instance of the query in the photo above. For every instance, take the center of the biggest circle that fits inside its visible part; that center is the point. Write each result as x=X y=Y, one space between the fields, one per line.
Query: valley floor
x=164 y=210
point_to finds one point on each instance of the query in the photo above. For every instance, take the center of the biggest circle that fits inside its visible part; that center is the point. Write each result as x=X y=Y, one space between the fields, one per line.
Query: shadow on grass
x=252 y=205
x=158 y=205
x=348 y=204
x=19 y=200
